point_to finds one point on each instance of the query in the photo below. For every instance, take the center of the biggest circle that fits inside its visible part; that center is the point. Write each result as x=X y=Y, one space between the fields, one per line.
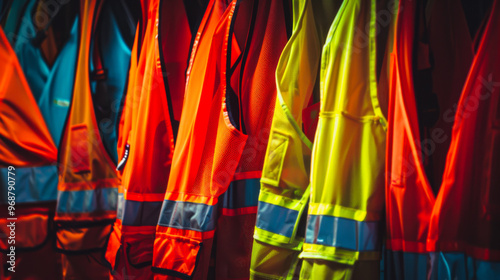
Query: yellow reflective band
x=278 y=240
x=283 y=232
x=314 y=251
x=282 y=201
x=343 y=212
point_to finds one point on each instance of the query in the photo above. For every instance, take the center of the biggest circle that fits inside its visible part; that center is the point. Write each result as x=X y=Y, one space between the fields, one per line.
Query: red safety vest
x=87 y=190
x=456 y=230
x=223 y=134
x=146 y=138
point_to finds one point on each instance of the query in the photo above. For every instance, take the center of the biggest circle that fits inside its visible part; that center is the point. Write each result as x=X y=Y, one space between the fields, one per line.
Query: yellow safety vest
x=347 y=170
x=285 y=177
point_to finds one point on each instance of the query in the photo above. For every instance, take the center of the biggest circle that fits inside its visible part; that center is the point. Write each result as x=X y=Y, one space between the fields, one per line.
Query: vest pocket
x=178 y=257
x=31 y=229
x=130 y=253
x=79 y=149
x=139 y=251
x=276 y=151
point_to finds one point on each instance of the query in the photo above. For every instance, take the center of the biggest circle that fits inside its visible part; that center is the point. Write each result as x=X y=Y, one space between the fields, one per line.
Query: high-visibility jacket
x=25 y=141
x=87 y=189
x=27 y=146
x=260 y=31
x=50 y=82
x=451 y=235
x=51 y=88
x=221 y=142
x=343 y=231
x=146 y=135
x=279 y=232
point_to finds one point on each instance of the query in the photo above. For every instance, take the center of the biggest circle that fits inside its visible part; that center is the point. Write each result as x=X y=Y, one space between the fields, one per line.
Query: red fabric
x=464 y=216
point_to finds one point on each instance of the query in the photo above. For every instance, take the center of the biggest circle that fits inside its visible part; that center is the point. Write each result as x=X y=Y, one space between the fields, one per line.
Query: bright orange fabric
x=24 y=137
x=223 y=134
x=146 y=134
x=25 y=141
x=200 y=146
x=84 y=163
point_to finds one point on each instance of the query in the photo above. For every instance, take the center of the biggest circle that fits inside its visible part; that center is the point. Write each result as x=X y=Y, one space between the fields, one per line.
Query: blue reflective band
x=404 y=265
x=437 y=265
x=343 y=233
x=241 y=193
x=33 y=184
x=276 y=219
x=87 y=201
x=188 y=215
x=138 y=213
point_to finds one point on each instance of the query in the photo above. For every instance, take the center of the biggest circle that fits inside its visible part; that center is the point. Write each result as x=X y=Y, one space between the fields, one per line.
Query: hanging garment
x=284 y=193
x=439 y=75
x=87 y=190
x=451 y=235
x=51 y=88
x=259 y=32
x=25 y=142
x=47 y=55
x=221 y=142
x=25 y=138
x=177 y=247
x=110 y=59
x=87 y=197
x=178 y=20
x=345 y=212
x=51 y=83
x=146 y=136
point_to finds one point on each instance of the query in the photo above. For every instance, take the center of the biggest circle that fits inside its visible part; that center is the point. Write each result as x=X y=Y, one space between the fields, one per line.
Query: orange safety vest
x=146 y=136
x=25 y=141
x=87 y=190
x=223 y=134
x=453 y=234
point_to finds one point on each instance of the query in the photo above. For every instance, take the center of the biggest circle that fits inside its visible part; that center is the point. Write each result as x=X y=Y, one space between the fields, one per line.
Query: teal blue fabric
x=188 y=215
x=51 y=86
x=405 y=266
x=13 y=19
x=276 y=219
x=343 y=233
x=437 y=266
x=33 y=184
x=138 y=213
x=56 y=95
x=88 y=201
x=115 y=55
x=241 y=194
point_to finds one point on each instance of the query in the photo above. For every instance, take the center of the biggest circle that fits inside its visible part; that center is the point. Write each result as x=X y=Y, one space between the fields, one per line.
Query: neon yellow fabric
x=285 y=177
x=348 y=160
x=320 y=269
